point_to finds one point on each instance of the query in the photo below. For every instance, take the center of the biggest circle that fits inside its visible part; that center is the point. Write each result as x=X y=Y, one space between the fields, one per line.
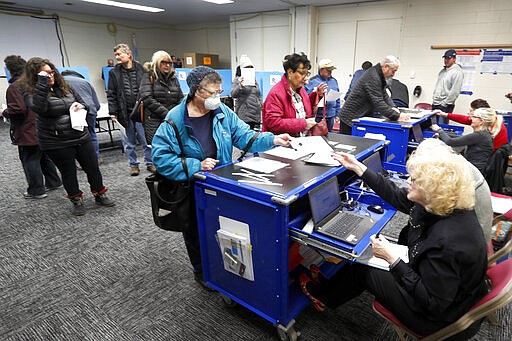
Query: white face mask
x=212 y=103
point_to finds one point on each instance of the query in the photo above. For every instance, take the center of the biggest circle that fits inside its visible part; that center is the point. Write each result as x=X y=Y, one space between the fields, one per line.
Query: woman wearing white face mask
x=208 y=130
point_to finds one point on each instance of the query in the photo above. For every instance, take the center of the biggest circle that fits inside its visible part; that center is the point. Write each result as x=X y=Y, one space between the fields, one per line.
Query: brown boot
x=134 y=170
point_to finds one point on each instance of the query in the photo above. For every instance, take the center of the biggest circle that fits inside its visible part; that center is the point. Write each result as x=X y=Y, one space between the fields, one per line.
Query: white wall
x=406 y=28
x=424 y=23
x=89 y=43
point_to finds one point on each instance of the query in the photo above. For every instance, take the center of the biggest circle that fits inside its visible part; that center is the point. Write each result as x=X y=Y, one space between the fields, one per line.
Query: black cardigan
x=447 y=256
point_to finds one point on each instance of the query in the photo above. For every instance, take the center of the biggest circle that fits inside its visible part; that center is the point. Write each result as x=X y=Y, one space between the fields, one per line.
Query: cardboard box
x=192 y=59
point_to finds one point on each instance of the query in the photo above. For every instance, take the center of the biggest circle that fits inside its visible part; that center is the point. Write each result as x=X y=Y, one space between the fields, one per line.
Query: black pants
x=65 y=158
x=191 y=237
x=448 y=108
x=39 y=170
x=352 y=280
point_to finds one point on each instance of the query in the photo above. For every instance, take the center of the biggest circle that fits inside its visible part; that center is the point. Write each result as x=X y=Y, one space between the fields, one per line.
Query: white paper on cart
x=235 y=247
x=369 y=259
x=260 y=164
x=287 y=153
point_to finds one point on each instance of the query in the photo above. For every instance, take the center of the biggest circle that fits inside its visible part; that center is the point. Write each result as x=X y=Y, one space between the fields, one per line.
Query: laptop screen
x=373 y=162
x=324 y=199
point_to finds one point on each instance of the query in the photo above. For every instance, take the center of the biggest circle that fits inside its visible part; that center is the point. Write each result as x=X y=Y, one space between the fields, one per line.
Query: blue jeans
x=134 y=131
x=91 y=126
x=39 y=170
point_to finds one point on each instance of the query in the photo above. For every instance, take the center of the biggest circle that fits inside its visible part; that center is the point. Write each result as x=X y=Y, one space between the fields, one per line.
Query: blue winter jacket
x=228 y=131
x=332 y=107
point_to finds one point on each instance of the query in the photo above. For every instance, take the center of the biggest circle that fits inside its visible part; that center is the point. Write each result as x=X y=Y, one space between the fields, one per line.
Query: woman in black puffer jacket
x=48 y=95
x=160 y=91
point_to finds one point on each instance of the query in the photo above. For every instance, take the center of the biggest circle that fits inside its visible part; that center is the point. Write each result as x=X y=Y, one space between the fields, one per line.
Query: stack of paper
x=369 y=259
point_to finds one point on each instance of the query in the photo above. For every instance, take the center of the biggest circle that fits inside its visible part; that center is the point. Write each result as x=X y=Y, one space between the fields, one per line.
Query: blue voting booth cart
x=403 y=136
x=247 y=227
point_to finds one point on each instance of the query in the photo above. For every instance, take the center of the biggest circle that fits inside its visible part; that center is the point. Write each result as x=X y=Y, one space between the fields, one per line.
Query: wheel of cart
x=228 y=302
x=287 y=333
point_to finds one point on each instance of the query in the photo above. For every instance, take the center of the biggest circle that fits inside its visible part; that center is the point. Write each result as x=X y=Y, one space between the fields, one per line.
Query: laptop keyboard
x=343 y=225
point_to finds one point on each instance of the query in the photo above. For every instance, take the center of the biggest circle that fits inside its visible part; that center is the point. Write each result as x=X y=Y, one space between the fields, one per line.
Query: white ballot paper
x=332 y=95
x=260 y=164
x=78 y=121
x=249 y=75
x=369 y=259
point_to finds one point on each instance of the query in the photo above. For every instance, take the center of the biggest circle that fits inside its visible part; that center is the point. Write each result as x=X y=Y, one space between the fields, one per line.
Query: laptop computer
x=330 y=219
x=374 y=163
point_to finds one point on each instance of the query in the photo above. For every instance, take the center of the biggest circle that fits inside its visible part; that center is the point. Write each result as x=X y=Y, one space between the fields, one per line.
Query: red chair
x=423 y=106
x=499 y=296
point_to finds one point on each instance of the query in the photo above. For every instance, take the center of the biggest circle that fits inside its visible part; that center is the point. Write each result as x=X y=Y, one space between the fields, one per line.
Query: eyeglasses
x=212 y=93
x=163 y=62
x=304 y=73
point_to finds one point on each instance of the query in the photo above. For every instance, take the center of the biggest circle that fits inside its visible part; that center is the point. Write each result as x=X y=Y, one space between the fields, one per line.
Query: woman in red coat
x=498 y=129
x=288 y=108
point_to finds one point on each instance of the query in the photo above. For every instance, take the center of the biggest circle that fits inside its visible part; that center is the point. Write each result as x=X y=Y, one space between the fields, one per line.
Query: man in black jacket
x=370 y=94
x=123 y=87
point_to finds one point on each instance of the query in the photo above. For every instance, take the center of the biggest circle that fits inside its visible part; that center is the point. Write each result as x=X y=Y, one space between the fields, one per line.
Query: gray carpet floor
x=112 y=275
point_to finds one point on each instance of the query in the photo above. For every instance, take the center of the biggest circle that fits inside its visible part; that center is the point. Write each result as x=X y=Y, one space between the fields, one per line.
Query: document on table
x=311 y=144
x=287 y=153
x=323 y=158
x=367 y=257
x=260 y=164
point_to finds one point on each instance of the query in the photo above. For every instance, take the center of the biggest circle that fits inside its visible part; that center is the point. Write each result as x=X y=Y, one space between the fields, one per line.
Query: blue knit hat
x=195 y=77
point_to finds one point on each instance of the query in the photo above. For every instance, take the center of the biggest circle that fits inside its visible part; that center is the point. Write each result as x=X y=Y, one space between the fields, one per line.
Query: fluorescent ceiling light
x=220 y=2
x=125 y=5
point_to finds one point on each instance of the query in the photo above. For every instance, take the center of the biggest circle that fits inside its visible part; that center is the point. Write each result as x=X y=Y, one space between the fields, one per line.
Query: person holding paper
x=86 y=91
x=288 y=108
x=246 y=92
x=331 y=106
x=208 y=130
x=445 y=275
x=49 y=96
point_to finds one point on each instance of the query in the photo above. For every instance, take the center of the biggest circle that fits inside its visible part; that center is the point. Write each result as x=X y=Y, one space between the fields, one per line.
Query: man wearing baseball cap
x=332 y=108
x=449 y=83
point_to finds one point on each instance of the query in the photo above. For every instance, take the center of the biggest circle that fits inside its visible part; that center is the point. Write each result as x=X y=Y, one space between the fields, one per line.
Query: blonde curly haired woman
x=447 y=251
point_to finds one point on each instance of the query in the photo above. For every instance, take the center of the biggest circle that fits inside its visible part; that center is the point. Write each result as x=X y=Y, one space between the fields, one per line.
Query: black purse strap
x=182 y=153
x=249 y=145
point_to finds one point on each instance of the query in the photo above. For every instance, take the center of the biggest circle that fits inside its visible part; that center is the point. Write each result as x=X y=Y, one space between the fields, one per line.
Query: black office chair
x=497 y=168
x=399 y=93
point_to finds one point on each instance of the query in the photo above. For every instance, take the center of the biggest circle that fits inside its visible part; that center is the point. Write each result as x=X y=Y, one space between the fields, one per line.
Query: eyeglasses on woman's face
x=165 y=63
x=303 y=73
x=212 y=92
